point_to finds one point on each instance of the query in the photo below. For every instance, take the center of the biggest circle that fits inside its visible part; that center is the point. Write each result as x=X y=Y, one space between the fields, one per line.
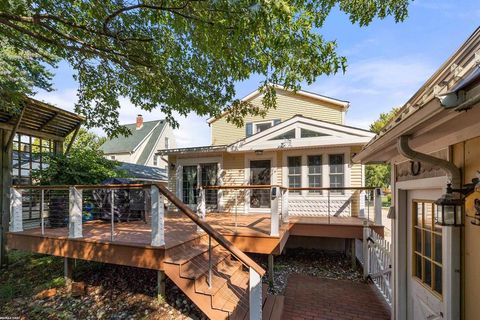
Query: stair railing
x=255 y=271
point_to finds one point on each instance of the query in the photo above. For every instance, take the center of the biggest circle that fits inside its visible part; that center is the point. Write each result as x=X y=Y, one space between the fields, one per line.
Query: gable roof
x=327 y=134
x=129 y=144
x=342 y=103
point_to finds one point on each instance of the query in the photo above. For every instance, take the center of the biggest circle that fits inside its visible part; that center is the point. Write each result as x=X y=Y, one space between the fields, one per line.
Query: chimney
x=139 y=122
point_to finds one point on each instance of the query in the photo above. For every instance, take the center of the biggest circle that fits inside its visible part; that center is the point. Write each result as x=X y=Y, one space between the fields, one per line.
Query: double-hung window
x=294 y=173
x=337 y=171
x=314 y=173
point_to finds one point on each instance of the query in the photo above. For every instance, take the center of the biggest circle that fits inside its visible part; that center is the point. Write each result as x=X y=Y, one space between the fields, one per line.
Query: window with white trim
x=336 y=164
x=155 y=160
x=252 y=128
x=294 y=173
x=314 y=164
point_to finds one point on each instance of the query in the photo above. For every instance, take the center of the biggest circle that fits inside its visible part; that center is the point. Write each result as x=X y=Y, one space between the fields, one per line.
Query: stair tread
x=228 y=267
x=184 y=254
x=201 y=284
x=198 y=266
x=243 y=313
x=231 y=294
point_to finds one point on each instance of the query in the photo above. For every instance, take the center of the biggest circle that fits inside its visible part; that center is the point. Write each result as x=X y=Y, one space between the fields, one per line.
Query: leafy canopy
x=175 y=55
x=85 y=163
x=378 y=175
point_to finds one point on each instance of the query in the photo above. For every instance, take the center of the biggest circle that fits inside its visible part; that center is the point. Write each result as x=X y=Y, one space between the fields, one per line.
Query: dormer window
x=252 y=128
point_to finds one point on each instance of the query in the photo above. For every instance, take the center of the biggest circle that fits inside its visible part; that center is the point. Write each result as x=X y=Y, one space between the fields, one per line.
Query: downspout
x=452 y=170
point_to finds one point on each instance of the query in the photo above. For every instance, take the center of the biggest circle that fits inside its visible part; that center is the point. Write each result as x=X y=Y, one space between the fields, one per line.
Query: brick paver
x=309 y=298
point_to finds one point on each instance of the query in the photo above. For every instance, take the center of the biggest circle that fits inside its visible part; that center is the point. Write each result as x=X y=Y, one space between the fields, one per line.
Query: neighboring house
x=140 y=173
x=435 y=140
x=304 y=142
x=140 y=146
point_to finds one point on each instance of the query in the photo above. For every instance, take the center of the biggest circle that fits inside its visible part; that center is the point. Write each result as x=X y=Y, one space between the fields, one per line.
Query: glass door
x=260 y=174
x=190 y=184
x=209 y=178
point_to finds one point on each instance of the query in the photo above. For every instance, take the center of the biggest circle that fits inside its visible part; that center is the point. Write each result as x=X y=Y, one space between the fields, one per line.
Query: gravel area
x=322 y=264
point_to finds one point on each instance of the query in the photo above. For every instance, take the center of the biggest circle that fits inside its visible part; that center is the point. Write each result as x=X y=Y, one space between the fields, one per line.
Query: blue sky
x=387 y=63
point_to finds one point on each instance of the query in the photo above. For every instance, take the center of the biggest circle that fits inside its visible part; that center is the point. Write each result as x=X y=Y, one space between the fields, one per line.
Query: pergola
x=35 y=121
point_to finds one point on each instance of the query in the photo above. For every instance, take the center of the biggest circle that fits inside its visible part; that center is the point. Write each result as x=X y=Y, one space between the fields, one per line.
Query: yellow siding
x=467 y=157
x=233 y=166
x=288 y=105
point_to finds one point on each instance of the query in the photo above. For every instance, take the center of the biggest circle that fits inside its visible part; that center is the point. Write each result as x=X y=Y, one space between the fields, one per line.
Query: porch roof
x=201 y=149
x=41 y=120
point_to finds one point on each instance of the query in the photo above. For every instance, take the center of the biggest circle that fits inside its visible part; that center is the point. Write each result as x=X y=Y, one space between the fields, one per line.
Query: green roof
x=152 y=141
x=128 y=144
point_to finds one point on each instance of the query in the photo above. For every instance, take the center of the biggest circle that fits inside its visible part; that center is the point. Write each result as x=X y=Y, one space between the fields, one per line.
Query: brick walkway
x=308 y=297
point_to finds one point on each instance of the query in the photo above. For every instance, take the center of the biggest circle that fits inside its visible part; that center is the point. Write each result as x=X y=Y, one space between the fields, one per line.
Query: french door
x=260 y=174
x=194 y=176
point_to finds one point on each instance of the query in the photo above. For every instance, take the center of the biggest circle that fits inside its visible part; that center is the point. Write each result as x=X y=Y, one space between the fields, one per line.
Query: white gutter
x=452 y=170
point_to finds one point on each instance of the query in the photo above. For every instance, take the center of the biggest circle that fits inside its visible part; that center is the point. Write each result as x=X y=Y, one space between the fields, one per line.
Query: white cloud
x=376 y=85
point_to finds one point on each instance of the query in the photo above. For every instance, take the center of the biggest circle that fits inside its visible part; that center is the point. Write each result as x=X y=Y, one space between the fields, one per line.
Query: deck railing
x=282 y=203
x=68 y=217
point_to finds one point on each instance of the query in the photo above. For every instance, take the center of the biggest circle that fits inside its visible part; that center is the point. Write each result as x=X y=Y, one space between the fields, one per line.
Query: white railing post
x=366 y=255
x=378 y=206
x=201 y=207
x=361 y=205
x=285 y=205
x=274 y=218
x=42 y=210
x=158 y=217
x=16 y=223
x=75 y=213
x=255 y=295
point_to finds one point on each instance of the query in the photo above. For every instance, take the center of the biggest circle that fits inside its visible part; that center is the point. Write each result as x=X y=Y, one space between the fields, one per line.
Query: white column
x=451 y=272
x=75 y=213
x=274 y=218
x=16 y=223
x=201 y=207
x=158 y=217
x=378 y=206
x=285 y=205
x=255 y=295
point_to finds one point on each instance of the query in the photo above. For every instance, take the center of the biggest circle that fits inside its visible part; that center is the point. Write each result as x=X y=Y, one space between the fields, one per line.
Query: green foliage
x=175 y=55
x=377 y=175
x=383 y=120
x=85 y=163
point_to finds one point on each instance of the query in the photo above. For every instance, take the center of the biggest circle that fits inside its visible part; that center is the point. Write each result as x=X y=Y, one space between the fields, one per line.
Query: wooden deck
x=131 y=245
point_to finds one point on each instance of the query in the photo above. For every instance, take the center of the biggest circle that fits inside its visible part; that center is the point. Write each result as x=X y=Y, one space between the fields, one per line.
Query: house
x=139 y=147
x=302 y=143
x=434 y=141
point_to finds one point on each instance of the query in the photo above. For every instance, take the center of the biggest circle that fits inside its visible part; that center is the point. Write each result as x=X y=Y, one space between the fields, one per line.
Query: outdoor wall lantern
x=258 y=152
x=450 y=205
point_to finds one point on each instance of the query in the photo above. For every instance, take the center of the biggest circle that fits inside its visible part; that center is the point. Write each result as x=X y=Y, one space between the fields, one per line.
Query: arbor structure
x=175 y=55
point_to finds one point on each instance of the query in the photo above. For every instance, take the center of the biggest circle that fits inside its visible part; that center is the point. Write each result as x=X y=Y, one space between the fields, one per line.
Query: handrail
x=247 y=186
x=83 y=186
x=210 y=231
x=268 y=186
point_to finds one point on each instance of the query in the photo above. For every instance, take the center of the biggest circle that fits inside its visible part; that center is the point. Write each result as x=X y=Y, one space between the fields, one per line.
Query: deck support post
x=158 y=217
x=161 y=280
x=378 y=206
x=353 y=256
x=255 y=296
x=75 y=213
x=270 y=270
x=68 y=272
x=16 y=210
x=274 y=218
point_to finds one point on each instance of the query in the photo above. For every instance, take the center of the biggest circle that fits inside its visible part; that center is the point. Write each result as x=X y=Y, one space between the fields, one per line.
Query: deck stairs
x=187 y=265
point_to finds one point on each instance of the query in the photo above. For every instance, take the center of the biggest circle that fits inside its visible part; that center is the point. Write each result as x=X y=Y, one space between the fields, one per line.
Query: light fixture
x=258 y=152
x=450 y=205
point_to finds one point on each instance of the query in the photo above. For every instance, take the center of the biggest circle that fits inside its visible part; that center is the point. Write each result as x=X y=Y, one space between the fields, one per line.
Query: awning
x=41 y=120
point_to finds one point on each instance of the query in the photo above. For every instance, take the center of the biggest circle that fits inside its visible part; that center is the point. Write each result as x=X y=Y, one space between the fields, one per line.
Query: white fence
x=377 y=262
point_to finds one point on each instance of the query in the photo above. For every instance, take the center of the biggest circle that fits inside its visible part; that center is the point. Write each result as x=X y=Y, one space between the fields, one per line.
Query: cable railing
x=66 y=211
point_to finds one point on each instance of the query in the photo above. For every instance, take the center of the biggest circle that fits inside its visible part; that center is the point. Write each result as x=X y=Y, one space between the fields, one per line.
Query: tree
x=176 y=55
x=378 y=175
x=85 y=163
